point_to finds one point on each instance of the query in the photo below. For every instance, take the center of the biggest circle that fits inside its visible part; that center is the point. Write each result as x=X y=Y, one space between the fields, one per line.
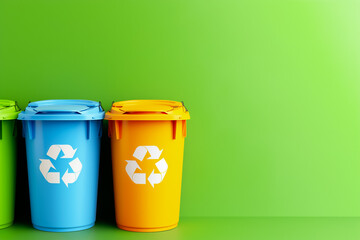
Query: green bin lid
x=9 y=110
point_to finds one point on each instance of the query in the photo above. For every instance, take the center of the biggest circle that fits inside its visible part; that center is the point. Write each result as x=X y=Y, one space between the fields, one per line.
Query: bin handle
x=56 y=111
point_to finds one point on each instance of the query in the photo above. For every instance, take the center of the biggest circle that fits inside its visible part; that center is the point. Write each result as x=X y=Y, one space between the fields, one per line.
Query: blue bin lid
x=63 y=110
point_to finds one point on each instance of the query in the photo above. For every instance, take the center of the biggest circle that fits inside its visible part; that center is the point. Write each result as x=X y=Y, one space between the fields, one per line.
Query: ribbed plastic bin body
x=63 y=147
x=147 y=142
x=8 y=114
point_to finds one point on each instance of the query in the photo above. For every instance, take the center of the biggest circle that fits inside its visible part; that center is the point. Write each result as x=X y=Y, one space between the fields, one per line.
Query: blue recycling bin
x=62 y=147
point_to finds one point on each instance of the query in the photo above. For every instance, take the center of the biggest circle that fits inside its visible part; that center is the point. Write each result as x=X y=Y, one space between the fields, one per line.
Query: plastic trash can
x=9 y=111
x=147 y=142
x=62 y=147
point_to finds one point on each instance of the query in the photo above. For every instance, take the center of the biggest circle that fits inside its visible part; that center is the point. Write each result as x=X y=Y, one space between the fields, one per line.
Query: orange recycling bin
x=147 y=142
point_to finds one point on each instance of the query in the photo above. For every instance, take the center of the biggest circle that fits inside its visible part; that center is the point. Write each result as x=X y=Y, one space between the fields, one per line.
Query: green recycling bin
x=9 y=111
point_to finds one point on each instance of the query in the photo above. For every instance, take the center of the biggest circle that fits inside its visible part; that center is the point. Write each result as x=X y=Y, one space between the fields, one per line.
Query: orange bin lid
x=148 y=110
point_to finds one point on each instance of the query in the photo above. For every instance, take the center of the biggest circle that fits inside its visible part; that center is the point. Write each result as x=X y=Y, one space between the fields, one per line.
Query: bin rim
x=148 y=110
x=63 y=110
x=9 y=109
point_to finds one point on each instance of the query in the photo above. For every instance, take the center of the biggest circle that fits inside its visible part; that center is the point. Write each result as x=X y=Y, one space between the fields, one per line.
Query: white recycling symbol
x=140 y=178
x=54 y=177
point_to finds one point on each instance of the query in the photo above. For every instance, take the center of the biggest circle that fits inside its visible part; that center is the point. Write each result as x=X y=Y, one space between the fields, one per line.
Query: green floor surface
x=211 y=228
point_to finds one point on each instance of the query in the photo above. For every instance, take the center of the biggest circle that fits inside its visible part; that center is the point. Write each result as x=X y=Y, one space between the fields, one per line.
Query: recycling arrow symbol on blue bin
x=54 y=177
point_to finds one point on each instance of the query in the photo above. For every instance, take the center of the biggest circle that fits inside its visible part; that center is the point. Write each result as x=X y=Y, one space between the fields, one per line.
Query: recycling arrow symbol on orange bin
x=140 y=178
x=54 y=177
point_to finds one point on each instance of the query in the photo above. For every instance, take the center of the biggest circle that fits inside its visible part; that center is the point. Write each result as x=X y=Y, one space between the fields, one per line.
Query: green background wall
x=272 y=88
